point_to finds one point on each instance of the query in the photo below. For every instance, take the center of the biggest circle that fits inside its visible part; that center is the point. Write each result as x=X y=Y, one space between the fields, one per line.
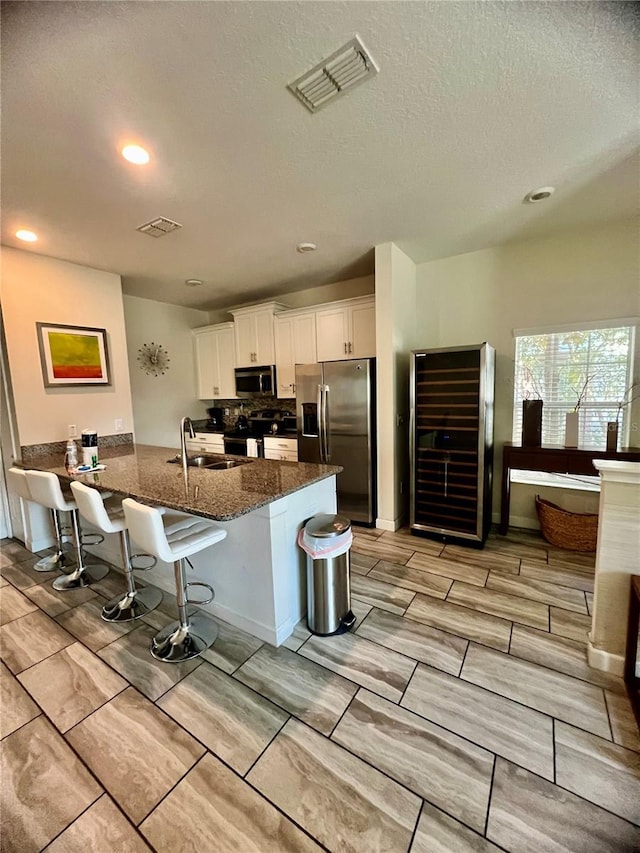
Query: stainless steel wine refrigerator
x=452 y=441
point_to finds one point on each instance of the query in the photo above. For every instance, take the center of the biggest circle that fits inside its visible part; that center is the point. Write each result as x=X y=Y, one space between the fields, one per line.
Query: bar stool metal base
x=58 y=560
x=81 y=577
x=178 y=642
x=132 y=605
x=51 y=563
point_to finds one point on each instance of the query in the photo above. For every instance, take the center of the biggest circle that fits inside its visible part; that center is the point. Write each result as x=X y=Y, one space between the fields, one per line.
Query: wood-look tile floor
x=460 y=716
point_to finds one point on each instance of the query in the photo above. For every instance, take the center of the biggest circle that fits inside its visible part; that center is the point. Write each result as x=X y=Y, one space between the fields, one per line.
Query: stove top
x=259 y=424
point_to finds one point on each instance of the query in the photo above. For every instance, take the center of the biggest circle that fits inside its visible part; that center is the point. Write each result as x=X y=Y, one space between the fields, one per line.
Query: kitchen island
x=258 y=571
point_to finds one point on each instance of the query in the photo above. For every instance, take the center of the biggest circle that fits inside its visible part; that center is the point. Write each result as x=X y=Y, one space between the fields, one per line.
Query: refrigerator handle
x=320 y=411
x=325 y=419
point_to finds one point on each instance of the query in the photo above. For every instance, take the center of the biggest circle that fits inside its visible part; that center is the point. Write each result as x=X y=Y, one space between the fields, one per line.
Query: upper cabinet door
x=263 y=332
x=363 y=331
x=254 y=334
x=295 y=339
x=285 y=360
x=226 y=362
x=204 y=345
x=332 y=330
x=303 y=329
x=245 y=341
x=215 y=362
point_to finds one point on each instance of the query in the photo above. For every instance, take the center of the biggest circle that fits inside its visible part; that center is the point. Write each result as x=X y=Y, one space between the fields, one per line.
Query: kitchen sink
x=211 y=463
x=226 y=463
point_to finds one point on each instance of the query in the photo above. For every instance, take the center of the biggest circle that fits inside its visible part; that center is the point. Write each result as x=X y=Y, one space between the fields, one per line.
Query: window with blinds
x=593 y=366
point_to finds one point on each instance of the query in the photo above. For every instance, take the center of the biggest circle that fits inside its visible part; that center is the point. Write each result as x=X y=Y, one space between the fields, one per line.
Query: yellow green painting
x=75 y=356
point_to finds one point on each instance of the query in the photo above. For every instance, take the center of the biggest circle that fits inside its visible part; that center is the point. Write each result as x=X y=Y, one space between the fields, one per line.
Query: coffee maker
x=216 y=417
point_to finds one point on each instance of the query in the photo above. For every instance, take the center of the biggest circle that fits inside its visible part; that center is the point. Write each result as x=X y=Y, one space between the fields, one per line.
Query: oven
x=235 y=445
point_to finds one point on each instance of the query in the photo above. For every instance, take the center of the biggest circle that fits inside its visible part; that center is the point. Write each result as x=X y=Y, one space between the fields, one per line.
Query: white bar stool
x=45 y=489
x=172 y=537
x=17 y=483
x=108 y=516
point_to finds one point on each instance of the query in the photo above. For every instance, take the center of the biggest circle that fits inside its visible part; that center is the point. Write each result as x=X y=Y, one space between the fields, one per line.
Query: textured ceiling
x=475 y=104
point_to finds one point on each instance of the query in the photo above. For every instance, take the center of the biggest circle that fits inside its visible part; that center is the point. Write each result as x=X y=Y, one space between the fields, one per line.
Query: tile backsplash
x=250 y=404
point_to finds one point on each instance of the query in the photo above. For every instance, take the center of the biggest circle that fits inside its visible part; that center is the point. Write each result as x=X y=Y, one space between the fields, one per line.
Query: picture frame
x=73 y=356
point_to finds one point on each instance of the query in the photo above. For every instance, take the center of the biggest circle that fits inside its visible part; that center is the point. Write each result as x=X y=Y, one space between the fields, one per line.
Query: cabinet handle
x=350 y=347
x=216 y=389
x=345 y=348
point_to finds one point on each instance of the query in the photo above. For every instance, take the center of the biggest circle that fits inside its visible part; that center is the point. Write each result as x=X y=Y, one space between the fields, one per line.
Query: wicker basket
x=577 y=531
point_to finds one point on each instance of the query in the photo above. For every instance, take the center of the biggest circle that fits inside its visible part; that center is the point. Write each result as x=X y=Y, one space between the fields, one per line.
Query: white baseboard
x=518 y=521
x=605 y=661
x=386 y=524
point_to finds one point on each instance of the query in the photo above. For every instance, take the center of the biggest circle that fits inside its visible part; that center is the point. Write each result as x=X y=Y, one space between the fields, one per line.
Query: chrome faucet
x=183 y=442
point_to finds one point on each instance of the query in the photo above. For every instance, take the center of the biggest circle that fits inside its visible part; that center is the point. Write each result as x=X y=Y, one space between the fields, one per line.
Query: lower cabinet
x=206 y=442
x=280 y=448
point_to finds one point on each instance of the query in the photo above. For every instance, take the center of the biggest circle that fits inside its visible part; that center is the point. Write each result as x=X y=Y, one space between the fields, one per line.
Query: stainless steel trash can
x=328 y=588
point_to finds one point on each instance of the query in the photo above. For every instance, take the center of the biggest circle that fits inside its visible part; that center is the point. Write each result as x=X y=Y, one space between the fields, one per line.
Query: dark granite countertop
x=141 y=471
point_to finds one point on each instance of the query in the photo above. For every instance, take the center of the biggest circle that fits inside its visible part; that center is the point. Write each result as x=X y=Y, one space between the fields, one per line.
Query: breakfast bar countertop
x=142 y=472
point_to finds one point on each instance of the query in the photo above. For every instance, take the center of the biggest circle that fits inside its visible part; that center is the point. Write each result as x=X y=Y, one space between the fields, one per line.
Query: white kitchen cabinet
x=254 y=334
x=295 y=340
x=215 y=362
x=206 y=442
x=285 y=449
x=346 y=330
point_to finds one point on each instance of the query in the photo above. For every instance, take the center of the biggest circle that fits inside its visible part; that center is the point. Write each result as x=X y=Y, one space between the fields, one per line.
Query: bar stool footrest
x=204 y=600
x=177 y=642
x=126 y=608
x=154 y=561
x=91 y=539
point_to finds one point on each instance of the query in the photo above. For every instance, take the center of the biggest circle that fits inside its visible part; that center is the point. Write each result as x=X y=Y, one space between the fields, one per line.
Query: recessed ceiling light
x=27 y=236
x=136 y=154
x=539 y=194
x=306 y=247
x=193 y=282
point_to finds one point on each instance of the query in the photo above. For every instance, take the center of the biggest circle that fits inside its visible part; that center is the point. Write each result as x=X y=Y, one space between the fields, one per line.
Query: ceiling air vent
x=332 y=77
x=159 y=227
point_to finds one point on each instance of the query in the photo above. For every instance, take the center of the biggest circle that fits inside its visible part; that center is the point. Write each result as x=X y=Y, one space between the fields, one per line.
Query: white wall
x=40 y=289
x=347 y=289
x=586 y=274
x=159 y=402
x=395 y=337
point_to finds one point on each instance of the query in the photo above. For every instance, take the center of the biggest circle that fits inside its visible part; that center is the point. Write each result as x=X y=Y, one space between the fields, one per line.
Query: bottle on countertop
x=71 y=455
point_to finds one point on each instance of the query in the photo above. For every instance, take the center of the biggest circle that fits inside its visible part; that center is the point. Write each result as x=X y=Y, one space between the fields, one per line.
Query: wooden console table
x=553 y=460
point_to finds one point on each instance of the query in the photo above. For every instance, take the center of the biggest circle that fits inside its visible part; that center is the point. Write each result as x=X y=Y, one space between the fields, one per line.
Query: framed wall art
x=73 y=355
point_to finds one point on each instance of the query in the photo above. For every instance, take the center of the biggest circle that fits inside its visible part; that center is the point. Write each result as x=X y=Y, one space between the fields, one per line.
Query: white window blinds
x=563 y=367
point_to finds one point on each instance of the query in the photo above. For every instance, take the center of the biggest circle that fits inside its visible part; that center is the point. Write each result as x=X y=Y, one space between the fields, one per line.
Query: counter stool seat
x=17 y=483
x=174 y=537
x=108 y=516
x=45 y=489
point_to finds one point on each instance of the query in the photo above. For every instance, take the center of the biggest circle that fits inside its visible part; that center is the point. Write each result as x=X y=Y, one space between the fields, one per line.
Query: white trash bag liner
x=321 y=548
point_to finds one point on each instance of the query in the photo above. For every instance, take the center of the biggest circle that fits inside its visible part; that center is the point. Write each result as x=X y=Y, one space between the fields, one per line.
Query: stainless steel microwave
x=256 y=381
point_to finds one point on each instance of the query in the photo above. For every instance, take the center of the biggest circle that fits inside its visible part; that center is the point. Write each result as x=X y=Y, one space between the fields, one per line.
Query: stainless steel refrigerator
x=335 y=408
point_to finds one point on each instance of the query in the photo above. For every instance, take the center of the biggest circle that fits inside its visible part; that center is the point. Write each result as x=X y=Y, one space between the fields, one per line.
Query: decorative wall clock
x=153 y=359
